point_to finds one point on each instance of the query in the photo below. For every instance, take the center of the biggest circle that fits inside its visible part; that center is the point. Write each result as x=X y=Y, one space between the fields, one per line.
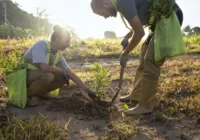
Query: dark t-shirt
x=131 y=8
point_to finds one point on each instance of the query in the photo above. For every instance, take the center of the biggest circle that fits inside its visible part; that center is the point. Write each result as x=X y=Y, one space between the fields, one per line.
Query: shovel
x=119 y=86
x=124 y=45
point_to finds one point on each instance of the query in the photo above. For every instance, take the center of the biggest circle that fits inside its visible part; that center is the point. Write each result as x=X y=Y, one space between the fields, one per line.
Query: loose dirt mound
x=77 y=104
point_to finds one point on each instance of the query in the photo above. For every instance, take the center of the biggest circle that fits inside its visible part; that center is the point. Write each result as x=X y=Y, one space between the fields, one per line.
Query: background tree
x=109 y=34
x=187 y=28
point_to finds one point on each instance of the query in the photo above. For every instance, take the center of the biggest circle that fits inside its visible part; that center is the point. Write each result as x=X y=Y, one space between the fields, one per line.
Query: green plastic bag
x=17 y=88
x=168 y=39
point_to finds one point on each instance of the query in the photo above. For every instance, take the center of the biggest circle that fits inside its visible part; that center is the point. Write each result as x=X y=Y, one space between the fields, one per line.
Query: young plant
x=100 y=81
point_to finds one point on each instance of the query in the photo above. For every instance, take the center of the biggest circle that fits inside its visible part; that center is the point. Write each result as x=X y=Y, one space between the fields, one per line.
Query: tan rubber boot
x=147 y=100
x=133 y=96
x=138 y=110
x=149 y=83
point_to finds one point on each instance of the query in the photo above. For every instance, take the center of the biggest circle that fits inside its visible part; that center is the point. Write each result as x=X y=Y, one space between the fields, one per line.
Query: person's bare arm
x=69 y=72
x=138 y=34
x=76 y=79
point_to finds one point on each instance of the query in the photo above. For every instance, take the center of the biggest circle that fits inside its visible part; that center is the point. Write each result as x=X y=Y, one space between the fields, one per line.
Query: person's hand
x=123 y=59
x=66 y=77
x=124 y=43
x=91 y=93
x=59 y=70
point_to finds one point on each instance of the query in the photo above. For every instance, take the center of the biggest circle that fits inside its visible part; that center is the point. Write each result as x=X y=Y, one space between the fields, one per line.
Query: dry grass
x=34 y=128
x=96 y=48
x=121 y=129
x=179 y=90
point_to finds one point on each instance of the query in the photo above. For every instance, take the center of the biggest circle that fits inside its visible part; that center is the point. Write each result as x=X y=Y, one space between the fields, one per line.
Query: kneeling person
x=47 y=68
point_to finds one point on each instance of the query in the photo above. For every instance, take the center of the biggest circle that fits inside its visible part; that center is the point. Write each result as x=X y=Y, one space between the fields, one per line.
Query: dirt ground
x=90 y=122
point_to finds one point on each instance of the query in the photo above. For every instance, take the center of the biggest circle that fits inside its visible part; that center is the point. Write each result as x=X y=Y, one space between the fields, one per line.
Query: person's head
x=60 y=38
x=103 y=8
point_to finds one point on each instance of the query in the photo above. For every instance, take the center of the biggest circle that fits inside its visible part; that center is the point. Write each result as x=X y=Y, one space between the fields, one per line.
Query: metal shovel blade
x=119 y=86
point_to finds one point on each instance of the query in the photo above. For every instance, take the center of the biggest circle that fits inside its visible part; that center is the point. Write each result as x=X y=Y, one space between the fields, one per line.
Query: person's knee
x=47 y=77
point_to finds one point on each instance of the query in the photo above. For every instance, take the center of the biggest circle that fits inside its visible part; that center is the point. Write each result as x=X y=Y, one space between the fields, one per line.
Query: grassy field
x=178 y=96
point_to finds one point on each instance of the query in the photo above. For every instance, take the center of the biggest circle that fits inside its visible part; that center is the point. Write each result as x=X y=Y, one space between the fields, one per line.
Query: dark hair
x=95 y=4
x=59 y=32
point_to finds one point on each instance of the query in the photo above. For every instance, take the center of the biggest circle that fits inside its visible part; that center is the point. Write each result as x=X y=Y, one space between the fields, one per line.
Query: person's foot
x=138 y=110
x=129 y=97
x=32 y=101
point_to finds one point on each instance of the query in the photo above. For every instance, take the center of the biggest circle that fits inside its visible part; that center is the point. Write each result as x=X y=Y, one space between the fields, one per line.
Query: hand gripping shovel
x=120 y=79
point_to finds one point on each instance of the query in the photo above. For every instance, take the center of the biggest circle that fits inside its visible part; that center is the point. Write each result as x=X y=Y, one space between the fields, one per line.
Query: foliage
x=97 y=48
x=187 y=28
x=22 y=24
x=100 y=81
x=109 y=34
x=192 y=43
x=12 y=51
x=126 y=107
x=34 y=128
x=194 y=31
x=161 y=8
x=20 y=18
x=15 y=32
x=10 y=59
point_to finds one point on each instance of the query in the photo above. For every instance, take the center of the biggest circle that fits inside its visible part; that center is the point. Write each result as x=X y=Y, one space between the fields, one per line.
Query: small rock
x=185 y=137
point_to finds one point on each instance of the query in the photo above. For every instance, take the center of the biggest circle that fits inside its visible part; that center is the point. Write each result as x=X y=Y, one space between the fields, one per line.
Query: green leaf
x=126 y=107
